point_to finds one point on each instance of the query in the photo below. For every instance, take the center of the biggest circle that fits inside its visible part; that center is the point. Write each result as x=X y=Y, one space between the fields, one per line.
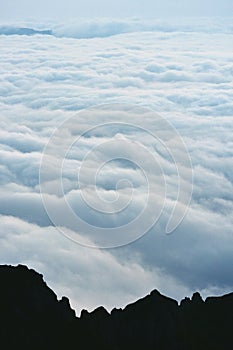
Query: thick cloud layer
x=88 y=29
x=184 y=76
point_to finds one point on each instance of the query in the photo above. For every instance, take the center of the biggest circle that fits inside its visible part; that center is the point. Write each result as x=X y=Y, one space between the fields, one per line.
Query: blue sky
x=24 y=9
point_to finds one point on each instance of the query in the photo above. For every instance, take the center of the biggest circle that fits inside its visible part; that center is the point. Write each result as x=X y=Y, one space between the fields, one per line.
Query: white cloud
x=89 y=277
x=186 y=77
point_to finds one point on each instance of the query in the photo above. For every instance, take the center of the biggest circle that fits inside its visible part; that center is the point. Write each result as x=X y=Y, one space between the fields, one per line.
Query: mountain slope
x=33 y=318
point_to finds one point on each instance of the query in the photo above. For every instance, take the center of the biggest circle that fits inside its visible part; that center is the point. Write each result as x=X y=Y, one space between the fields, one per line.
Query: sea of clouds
x=185 y=75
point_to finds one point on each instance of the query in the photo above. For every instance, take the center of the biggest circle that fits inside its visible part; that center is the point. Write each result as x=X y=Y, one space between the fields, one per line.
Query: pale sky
x=44 y=9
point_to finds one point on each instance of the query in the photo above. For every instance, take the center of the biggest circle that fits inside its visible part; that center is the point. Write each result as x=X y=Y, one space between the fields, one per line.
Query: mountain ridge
x=31 y=312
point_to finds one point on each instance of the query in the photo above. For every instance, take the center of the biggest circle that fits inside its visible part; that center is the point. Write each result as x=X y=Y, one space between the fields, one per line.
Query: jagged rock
x=197 y=299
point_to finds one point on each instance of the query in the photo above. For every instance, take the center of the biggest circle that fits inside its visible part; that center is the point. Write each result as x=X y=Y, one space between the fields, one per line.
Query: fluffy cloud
x=186 y=76
x=89 y=277
x=102 y=28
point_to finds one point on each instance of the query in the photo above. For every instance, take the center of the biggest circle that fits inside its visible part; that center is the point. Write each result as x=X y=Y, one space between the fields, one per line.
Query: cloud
x=103 y=28
x=184 y=74
x=80 y=273
x=22 y=31
x=198 y=253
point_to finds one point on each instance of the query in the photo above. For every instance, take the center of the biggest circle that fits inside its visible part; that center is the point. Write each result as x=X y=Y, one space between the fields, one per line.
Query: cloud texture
x=185 y=76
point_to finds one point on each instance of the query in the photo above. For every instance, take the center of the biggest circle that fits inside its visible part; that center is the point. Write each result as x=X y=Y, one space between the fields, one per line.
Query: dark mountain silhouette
x=31 y=317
